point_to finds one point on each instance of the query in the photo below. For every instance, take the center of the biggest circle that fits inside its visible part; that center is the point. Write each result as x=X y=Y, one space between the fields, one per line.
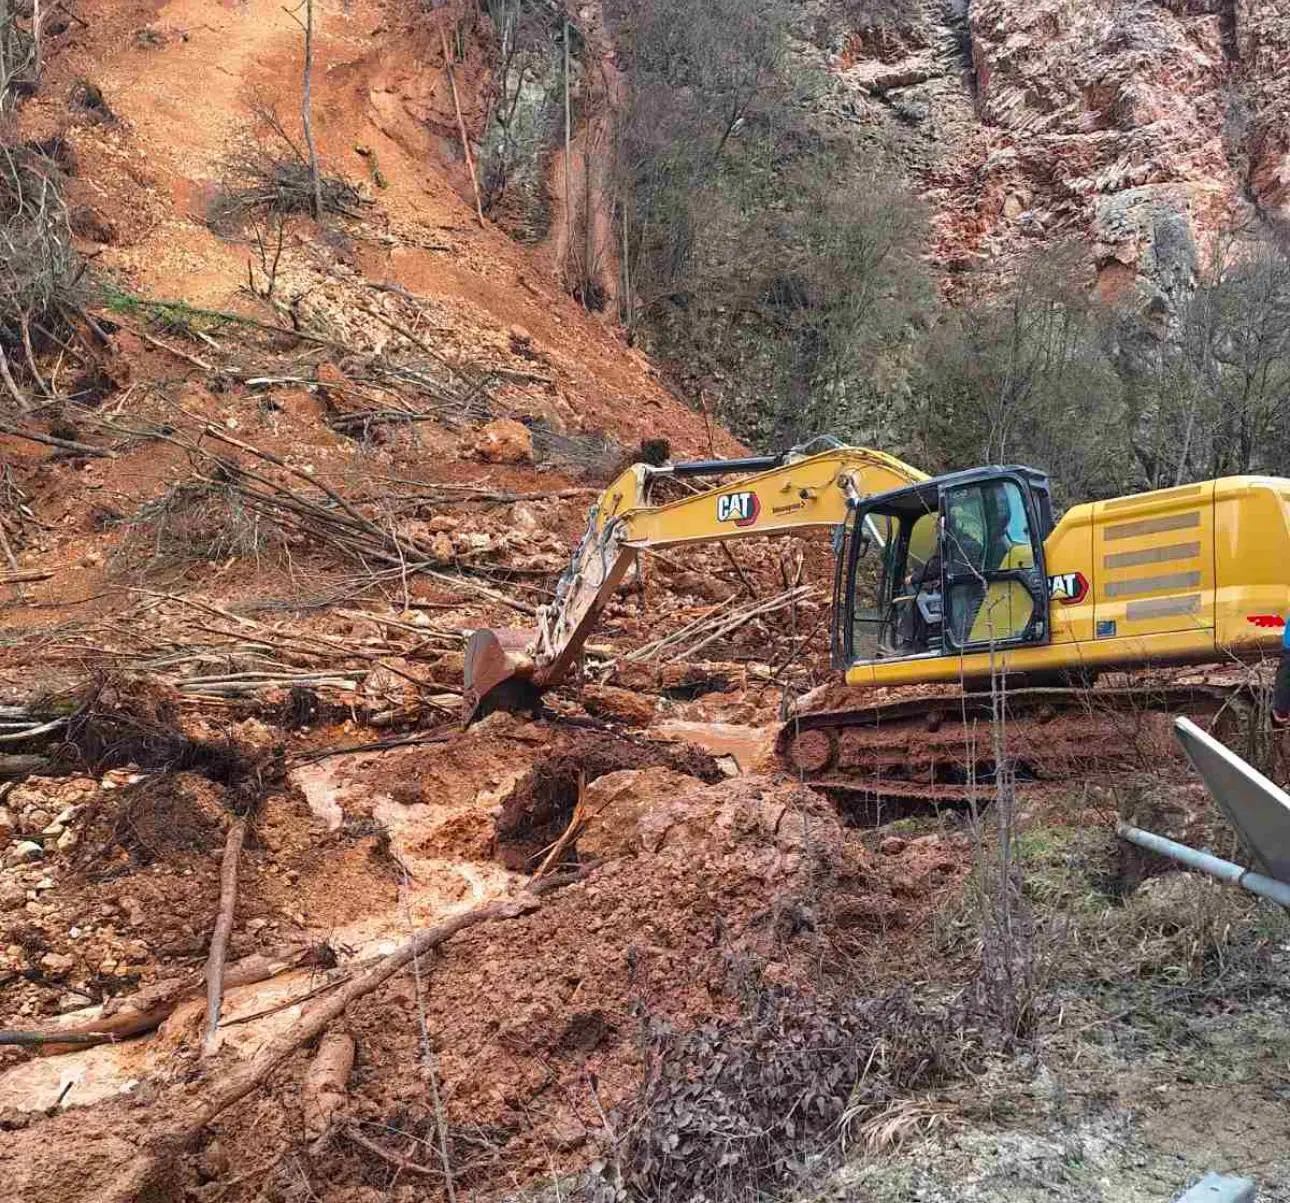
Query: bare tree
x=1025 y=373
x=461 y=125
x=524 y=115
x=1210 y=395
x=19 y=55
x=306 y=101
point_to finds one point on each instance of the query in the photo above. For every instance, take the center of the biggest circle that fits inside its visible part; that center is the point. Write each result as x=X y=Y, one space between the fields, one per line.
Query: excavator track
x=948 y=751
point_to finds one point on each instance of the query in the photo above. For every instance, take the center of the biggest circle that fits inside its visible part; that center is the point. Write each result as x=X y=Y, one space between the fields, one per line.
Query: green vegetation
x=773 y=254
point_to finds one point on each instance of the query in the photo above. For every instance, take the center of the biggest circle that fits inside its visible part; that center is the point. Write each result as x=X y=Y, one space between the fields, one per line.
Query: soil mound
x=537 y=811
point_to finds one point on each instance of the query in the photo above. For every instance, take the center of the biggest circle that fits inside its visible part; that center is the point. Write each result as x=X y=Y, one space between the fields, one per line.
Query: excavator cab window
x=868 y=543
x=889 y=581
x=958 y=566
x=993 y=583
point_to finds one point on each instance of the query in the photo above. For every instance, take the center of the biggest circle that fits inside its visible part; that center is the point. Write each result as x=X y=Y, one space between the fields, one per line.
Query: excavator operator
x=921 y=614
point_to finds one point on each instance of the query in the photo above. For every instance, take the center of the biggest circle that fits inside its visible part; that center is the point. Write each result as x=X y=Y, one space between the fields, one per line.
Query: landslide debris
x=539 y=807
x=242 y=556
x=538 y=1024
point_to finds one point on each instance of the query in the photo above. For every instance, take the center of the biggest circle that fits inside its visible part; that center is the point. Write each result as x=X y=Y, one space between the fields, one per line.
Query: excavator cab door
x=994 y=586
x=863 y=547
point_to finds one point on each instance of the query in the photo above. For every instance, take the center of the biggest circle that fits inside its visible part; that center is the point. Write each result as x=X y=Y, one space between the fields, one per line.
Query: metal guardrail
x=1203 y=862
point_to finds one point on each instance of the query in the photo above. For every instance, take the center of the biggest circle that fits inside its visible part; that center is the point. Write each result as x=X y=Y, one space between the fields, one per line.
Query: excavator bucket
x=498 y=674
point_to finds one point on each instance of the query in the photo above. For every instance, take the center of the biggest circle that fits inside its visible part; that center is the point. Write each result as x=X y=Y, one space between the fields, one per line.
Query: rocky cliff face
x=1145 y=127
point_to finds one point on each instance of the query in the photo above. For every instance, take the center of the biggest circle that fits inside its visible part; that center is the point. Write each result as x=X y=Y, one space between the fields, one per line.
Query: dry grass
x=1179 y=929
x=744 y=1108
x=874 y=1133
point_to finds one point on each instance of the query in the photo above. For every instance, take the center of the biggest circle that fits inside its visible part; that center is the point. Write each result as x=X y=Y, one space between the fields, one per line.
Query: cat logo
x=740 y=508
x=1069 y=588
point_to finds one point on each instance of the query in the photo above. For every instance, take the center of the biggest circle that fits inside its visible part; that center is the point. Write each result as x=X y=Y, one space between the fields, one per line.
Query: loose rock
x=505 y=441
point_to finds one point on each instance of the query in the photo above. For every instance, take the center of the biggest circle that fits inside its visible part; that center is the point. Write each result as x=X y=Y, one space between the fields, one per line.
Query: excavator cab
x=946 y=566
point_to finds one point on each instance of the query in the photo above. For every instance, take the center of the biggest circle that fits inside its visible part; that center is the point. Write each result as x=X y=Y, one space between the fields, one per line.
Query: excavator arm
x=509 y=669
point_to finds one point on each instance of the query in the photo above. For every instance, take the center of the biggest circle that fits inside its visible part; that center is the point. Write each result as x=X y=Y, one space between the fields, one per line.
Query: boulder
x=36 y=820
x=505 y=441
x=626 y=705
x=441 y=549
x=621 y=804
x=57 y=962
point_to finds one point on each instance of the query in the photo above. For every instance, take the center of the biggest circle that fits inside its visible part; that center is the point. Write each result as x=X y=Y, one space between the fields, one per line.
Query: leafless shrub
x=268 y=231
x=197 y=520
x=739 y=1108
x=1176 y=935
x=525 y=118
x=1022 y=375
x=15 y=512
x=269 y=172
x=593 y=457
x=882 y=16
x=19 y=56
x=1012 y=986
x=40 y=273
x=89 y=98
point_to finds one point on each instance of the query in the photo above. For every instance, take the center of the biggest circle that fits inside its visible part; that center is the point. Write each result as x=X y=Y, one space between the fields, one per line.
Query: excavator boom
x=780 y=495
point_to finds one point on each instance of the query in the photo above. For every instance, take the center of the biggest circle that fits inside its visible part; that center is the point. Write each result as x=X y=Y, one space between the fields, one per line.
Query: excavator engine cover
x=498 y=674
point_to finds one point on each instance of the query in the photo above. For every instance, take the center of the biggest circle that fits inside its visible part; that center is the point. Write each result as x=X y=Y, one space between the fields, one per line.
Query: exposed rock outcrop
x=1144 y=127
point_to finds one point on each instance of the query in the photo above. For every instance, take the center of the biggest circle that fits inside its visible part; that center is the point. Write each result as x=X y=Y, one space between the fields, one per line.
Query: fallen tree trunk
x=323 y=1092
x=240 y=1081
x=149 y=1008
x=15 y=768
x=219 y=939
x=34 y=436
x=22 y=576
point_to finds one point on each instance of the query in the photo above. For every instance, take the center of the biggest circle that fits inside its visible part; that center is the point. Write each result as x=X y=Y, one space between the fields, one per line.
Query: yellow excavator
x=963 y=579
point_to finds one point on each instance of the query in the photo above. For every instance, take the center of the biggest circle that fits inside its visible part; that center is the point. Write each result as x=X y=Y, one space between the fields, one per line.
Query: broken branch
x=400 y=1163
x=50 y=441
x=25 y=576
x=570 y=833
x=219 y=940
x=146 y=1010
x=243 y=1079
x=322 y=1093
x=461 y=126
